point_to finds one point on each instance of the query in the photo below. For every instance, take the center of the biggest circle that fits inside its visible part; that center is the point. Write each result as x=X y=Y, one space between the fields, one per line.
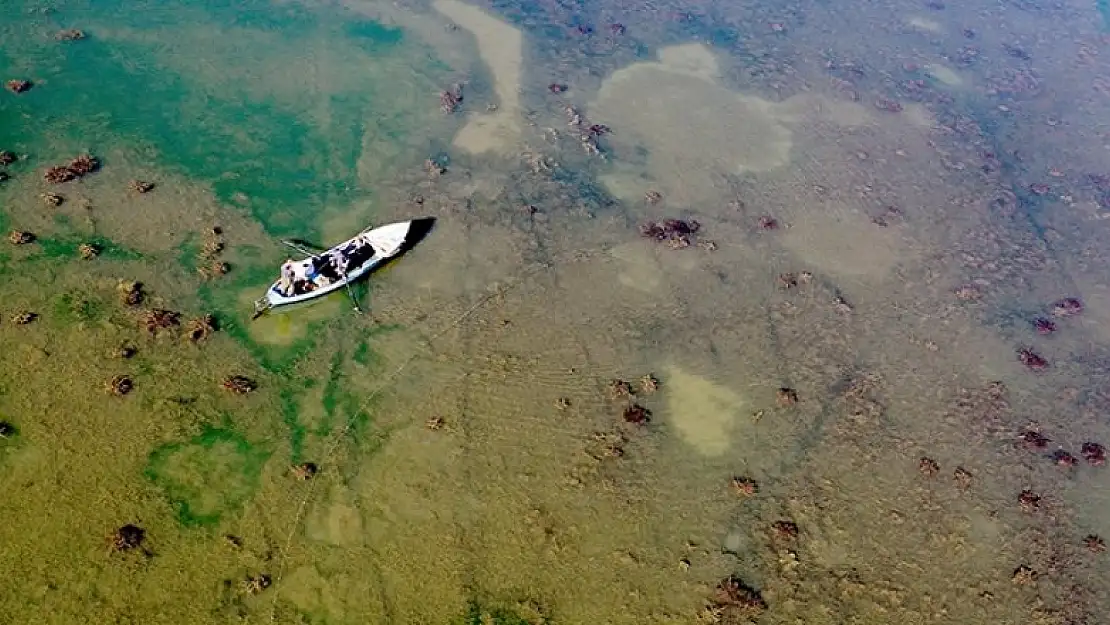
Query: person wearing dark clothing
x=329 y=271
x=358 y=256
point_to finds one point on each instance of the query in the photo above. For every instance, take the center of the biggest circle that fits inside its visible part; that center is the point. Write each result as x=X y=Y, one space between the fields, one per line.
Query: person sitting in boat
x=287 y=275
x=359 y=255
x=302 y=278
x=326 y=267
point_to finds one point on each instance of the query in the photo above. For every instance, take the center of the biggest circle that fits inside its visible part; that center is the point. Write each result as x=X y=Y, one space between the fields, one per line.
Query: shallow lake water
x=864 y=378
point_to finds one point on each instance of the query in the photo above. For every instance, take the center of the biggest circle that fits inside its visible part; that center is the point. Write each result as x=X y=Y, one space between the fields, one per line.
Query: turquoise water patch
x=270 y=105
x=372 y=36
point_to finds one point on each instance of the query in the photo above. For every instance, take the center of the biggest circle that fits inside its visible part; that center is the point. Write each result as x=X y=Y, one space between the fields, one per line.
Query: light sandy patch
x=1096 y=303
x=286 y=326
x=330 y=599
x=695 y=131
x=925 y=24
x=693 y=134
x=501 y=47
x=842 y=240
x=639 y=269
x=152 y=223
x=455 y=260
x=944 y=74
x=626 y=182
x=693 y=59
x=703 y=413
x=416 y=502
x=806 y=107
x=644 y=265
x=918 y=115
x=305 y=588
x=336 y=522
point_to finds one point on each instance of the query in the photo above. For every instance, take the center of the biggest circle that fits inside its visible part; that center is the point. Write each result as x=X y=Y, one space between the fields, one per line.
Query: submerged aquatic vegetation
x=127 y=538
x=488 y=613
x=208 y=476
x=130 y=293
x=79 y=167
x=71 y=246
x=734 y=601
x=75 y=306
x=156 y=319
x=120 y=385
x=70 y=34
x=636 y=414
x=305 y=470
x=201 y=327
x=17 y=85
x=140 y=186
x=240 y=384
x=21 y=237
x=24 y=317
x=210 y=480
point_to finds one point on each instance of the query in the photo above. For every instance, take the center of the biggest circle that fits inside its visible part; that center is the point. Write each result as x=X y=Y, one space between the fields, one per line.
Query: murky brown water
x=888 y=198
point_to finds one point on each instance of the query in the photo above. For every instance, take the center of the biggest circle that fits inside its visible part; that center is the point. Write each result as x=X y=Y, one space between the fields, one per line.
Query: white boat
x=318 y=275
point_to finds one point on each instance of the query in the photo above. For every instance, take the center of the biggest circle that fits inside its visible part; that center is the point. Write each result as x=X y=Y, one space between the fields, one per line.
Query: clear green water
x=281 y=100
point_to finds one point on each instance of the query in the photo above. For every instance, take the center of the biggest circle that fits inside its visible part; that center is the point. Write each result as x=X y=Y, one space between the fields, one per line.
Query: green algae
x=362 y=354
x=208 y=477
x=186 y=253
x=290 y=398
x=68 y=248
x=78 y=307
x=332 y=394
x=489 y=613
x=343 y=409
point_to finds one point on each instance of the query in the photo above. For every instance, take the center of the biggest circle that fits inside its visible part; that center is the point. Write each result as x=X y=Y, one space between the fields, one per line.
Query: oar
x=346 y=282
x=299 y=248
x=350 y=294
